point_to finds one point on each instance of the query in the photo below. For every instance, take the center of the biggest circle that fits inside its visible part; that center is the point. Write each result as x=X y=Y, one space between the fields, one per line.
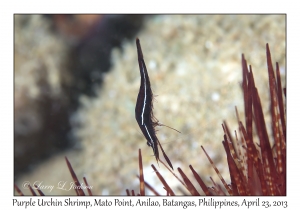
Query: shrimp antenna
x=159 y=124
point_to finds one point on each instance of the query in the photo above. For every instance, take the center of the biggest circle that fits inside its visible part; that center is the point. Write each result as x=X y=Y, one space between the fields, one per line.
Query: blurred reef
x=57 y=59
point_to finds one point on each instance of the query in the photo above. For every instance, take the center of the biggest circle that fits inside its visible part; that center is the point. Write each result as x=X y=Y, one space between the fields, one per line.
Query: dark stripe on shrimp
x=144 y=107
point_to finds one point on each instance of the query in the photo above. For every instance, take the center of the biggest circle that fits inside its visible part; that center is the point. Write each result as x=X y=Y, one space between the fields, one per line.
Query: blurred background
x=76 y=80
